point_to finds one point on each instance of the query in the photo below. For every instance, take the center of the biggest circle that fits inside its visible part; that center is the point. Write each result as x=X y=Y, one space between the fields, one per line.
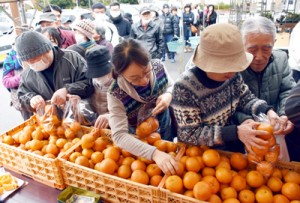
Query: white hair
x=256 y=25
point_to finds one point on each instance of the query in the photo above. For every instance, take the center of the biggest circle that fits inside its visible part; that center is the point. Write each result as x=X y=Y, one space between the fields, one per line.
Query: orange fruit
x=253 y=158
x=295 y=201
x=214 y=199
x=260 y=152
x=211 y=158
x=265 y=168
x=225 y=158
x=8 y=140
x=126 y=153
x=51 y=156
x=223 y=164
x=246 y=196
x=146 y=161
x=38 y=152
x=70 y=134
x=280 y=199
x=213 y=183
x=153 y=122
x=155 y=180
x=140 y=176
x=292 y=176
x=231 y=200
x=124 y=171
x=275 y=184
x=181 y=169
x=36 y=145
x=192 y=164
x=87 y=141
x=60 y=131
x=207 y=171
x=75 y=126
x=271 y=157
x=277 y=173
x=29 y=129
x=254 y=179
x=272 y=141
x=291 y=190
x=106 y=166
x=223 y=175
x=24 y=137
x=153 y=137
x=265 y=127
x=174 y=184
x=193 y=151
x=183 y=159
x=112 y=152
x=52 y=149
x=161 y=145
x=153 y=169
x=74 y=155
x=243 y=173
x=138 y=165
x=83 y=161
x=238 y=161
x=67 y=146
x=189 y=193
x=190 y=178
x=171 y=147
x=144 y=129
x=37 y=134
x=128 y=161
x=264 y=195
x=100 y=144
x=238 y=183
x=228 y=192
x=202 y=191
x=97 y=157
x=60 y=142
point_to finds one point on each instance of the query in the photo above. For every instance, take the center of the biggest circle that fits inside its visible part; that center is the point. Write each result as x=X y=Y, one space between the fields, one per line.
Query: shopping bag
x=194 y=29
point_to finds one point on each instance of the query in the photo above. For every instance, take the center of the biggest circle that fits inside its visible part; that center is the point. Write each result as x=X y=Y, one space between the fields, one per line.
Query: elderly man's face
x=260 y=46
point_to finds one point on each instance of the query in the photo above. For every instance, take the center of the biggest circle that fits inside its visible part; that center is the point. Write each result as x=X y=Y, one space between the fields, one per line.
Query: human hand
x=288 y=126
x=276 y=122
x=102 y=121
x=37 y=102
x=162 y=103
x=59 y=97
x=165 y=162
x=248 y=134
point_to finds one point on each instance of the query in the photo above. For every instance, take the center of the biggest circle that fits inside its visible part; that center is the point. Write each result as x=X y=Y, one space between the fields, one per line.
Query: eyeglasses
x=138 y=79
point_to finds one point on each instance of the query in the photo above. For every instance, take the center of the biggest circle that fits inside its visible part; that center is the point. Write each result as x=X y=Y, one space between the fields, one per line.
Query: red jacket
x=68 y=38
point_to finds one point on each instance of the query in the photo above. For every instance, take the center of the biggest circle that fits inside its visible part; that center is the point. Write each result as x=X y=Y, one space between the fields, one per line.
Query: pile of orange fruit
x=45 y=140
x=265 y=158
x=99 y=153
x=207 y=175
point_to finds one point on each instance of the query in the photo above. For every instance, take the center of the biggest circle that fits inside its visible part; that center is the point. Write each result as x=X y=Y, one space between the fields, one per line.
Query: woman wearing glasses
x=139 y=81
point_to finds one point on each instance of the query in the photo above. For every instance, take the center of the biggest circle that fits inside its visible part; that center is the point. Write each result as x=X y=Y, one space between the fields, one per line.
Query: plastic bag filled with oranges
x=265 y=158
x=48 y=118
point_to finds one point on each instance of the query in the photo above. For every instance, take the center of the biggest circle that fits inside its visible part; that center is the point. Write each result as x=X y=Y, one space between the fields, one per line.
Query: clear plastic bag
x=145 y=111
x=284 y=153
x=48 y=118
x=72 y=112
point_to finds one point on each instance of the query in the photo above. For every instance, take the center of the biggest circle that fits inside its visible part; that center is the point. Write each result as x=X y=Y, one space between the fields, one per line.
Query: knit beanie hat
x=86 y=27
x=31 y=44
x=98 y=61
x=98 y=5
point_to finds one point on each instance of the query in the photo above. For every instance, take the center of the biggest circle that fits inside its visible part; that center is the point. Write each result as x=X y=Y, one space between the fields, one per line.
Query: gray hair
x=257 y=25
x=100 y=30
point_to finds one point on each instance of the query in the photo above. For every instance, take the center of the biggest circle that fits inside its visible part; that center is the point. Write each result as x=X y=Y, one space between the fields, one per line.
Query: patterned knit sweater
x=203 y=108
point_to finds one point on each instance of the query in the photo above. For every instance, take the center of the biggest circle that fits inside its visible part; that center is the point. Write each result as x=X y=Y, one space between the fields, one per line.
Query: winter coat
x=69 y=72
x=188 y=19
x=68 y=38
x=152 y=38
x=274 y=83
x=123 y=25
x=171 y=27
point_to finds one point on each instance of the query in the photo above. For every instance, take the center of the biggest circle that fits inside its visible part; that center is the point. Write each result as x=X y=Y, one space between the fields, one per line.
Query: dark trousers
x=187 y=33
x=293 y=144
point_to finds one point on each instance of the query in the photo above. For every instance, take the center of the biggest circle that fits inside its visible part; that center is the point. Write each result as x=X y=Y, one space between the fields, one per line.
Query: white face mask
x=39 y=66
x=79 y=38
x=145 y=22
x=115 y=14
x=100 y=17
x=103 y=81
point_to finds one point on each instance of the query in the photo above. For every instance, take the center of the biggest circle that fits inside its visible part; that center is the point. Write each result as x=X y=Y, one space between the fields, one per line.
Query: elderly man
x=50 y=73
x=149 y=33
x=206 y=97
x=269 y=76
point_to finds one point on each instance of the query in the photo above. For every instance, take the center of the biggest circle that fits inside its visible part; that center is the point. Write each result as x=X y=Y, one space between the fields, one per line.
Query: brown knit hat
x=86 y=27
